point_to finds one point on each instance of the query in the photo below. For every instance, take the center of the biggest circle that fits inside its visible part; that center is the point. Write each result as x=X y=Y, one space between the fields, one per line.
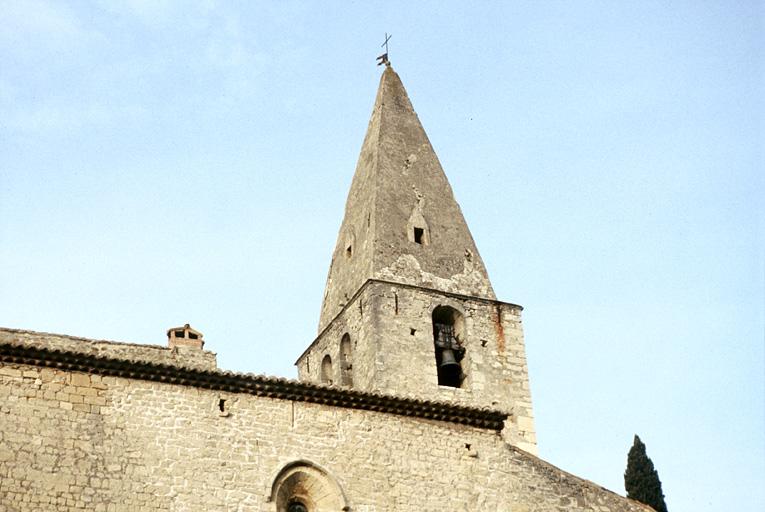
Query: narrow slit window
x=349 y=251
x=419 y=235
x=346 y=361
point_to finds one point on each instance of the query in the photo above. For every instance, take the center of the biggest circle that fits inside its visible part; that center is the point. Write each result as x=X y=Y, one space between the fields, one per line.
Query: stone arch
x=306 y=483
x=326 y=370
x=346 y=361
x=449 y=344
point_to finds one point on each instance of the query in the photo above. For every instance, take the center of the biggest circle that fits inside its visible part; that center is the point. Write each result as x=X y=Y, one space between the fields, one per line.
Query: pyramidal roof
x=401 y=221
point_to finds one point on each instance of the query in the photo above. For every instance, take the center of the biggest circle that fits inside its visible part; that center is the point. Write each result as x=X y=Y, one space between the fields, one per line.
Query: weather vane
x=383 y=59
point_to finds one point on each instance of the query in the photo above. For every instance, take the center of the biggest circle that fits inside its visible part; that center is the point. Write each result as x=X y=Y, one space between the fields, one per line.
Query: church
x=414 y=395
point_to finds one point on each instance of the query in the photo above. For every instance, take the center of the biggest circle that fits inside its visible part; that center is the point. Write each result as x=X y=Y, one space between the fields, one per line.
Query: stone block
x=80 y=379
x=10 y=372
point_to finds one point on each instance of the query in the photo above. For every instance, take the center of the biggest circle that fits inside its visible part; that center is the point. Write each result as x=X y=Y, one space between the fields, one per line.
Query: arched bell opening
x=448 y=339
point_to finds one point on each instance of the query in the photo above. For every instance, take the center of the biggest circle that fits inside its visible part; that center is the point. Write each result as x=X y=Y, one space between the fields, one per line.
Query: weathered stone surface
x=154 y=446
x=403 y=251
x=228 y=382
x=391 y=330
x=399 y=185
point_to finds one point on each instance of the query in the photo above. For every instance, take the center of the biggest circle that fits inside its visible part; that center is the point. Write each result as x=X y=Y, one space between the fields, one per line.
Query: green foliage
x=641 y=480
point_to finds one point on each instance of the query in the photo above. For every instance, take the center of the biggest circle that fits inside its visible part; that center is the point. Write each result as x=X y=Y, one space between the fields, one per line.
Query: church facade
x=413 y=396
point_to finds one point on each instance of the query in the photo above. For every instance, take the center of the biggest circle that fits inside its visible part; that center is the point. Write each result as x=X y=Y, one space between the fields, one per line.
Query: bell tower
x=408 y=307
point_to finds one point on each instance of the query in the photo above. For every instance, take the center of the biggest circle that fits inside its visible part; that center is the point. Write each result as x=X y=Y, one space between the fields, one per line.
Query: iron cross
x=384 y=57
x=385 y=44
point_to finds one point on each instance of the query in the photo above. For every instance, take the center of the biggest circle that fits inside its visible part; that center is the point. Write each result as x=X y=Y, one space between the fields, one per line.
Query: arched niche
x=449 y=344
x=304 y=483
x=326 y=370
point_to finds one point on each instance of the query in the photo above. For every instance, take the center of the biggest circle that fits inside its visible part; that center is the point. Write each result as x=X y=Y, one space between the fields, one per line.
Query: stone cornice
x=257 y=385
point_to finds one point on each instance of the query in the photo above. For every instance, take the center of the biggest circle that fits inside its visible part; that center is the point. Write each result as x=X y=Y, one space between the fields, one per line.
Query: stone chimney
x=184 y=337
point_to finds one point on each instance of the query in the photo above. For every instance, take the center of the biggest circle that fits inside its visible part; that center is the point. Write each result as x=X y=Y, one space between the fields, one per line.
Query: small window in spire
x=419 y=233
x=349 y=251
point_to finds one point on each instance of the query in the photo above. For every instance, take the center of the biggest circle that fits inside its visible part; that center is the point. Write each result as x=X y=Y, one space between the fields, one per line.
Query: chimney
x=184 y=337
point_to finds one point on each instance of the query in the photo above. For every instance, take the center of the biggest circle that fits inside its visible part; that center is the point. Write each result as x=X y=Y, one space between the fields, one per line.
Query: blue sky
x=167 y=162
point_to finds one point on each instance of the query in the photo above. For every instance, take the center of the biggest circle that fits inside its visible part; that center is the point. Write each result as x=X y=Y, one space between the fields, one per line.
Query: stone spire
x=401 y=221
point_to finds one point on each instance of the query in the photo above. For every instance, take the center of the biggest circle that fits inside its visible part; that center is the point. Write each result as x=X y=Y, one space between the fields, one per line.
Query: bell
x=448 y=359
x=449 y=371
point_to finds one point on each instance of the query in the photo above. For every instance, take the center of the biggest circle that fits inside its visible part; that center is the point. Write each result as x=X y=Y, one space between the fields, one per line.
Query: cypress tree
x=641 y=480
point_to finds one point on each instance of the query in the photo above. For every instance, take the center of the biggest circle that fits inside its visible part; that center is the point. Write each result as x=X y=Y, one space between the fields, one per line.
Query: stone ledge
x=258 y=385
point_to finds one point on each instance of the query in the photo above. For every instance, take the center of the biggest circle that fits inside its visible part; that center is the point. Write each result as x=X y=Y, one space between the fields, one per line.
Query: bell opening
x=449 y=350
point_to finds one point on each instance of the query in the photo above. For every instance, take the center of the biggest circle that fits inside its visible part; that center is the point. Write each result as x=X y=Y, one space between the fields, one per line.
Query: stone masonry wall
x=354 y=321
x=496 y=374
x=395 y=354
x=73 y=441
